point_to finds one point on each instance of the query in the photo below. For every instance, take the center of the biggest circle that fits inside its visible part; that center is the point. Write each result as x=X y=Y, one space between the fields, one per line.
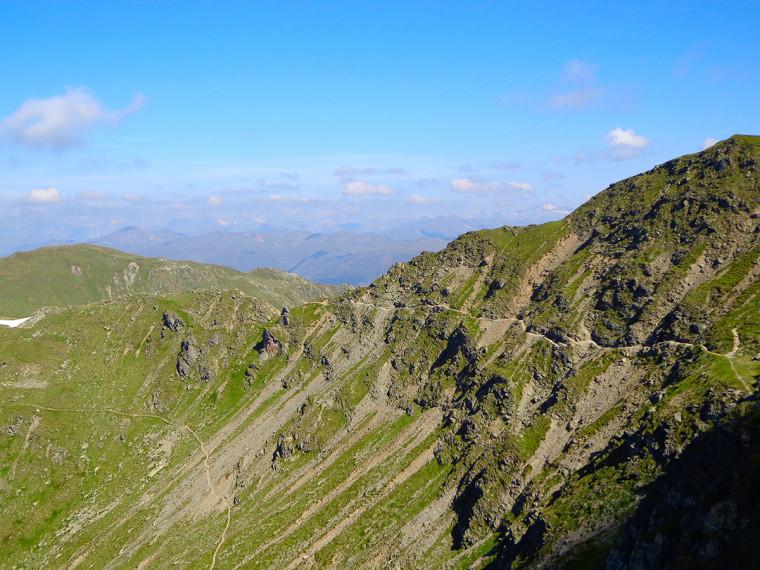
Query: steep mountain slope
x=525 y=398
x=73 y=275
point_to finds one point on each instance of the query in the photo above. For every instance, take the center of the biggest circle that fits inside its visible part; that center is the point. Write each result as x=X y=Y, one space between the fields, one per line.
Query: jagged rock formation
x=172 y=322
x=528 y=397
x=269 y=345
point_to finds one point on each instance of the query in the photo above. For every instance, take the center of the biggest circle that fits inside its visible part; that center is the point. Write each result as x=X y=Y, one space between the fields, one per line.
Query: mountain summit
x=578 y=394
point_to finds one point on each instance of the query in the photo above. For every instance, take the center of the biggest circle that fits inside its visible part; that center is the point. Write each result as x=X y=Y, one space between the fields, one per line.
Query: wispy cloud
x=708 y=142
x=265 y=186
x=289 y=199
x=521 y=186
x=551 y=176
x=362 y=188
x=214 y=201
x=344 y=171
x=478 y=186
x=578 y=86
x=577 y=70
x=577 y=98
x=92 y=195
x=420 y=200
x=551 y=208
x=44 y=195
x=427 y=182
x=503 y=166
x=62 y=121
x=622 y=144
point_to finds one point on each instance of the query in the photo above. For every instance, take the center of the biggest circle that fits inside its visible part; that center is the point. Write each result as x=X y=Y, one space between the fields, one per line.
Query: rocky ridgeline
x=605 y=321
x=576 y=394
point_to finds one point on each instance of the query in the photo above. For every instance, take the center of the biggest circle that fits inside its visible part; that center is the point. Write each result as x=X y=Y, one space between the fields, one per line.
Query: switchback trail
x=587 y=342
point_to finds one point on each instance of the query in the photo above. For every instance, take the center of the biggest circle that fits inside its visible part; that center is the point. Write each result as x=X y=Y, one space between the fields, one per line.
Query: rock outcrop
x=172 y=322
x=269 y=346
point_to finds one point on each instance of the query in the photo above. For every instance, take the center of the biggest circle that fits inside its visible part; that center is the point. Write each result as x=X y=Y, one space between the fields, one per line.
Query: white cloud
x=625 y=143
x=62 y=121
x=361 y=188
x=133 y=197
x=522 y=186
x=214 y=201
x=476 y=186
x=470 y=186
x=554 y=209
x=708 y=142
x=419 y=200
x=627 y=138
x=226 y=223
x=44 y=195
x=284 y=198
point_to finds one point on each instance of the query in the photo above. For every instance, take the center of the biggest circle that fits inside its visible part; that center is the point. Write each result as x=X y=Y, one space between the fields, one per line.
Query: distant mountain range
x=342 y=253
x=331 y=258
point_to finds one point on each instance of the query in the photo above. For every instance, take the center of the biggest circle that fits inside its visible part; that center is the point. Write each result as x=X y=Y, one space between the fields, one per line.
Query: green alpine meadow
x=577 y=394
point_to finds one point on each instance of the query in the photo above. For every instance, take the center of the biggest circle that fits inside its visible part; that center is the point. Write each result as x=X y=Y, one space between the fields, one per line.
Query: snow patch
x=14 y=322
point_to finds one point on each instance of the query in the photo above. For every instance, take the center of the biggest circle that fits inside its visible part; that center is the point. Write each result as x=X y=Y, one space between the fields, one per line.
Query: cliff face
x=521 y=398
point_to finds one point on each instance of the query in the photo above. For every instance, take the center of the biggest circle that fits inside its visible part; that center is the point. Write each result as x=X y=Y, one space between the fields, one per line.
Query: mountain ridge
x=344 y=257
x=519 y=399
x=84 y=273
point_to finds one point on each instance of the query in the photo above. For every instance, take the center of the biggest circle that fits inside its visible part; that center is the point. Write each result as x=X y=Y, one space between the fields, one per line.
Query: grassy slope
x=553 y=425
x=73 y=275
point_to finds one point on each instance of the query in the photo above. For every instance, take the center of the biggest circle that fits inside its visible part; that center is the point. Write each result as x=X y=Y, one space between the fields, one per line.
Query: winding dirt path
x=588 y=343
x=212 y=490
x=737 y=344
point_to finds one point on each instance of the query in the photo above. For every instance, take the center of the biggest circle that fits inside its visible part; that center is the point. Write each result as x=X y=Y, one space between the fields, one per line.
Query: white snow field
x=13 y=323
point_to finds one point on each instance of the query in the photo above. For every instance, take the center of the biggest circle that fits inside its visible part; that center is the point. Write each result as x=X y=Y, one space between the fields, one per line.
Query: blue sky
x=219 y=115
